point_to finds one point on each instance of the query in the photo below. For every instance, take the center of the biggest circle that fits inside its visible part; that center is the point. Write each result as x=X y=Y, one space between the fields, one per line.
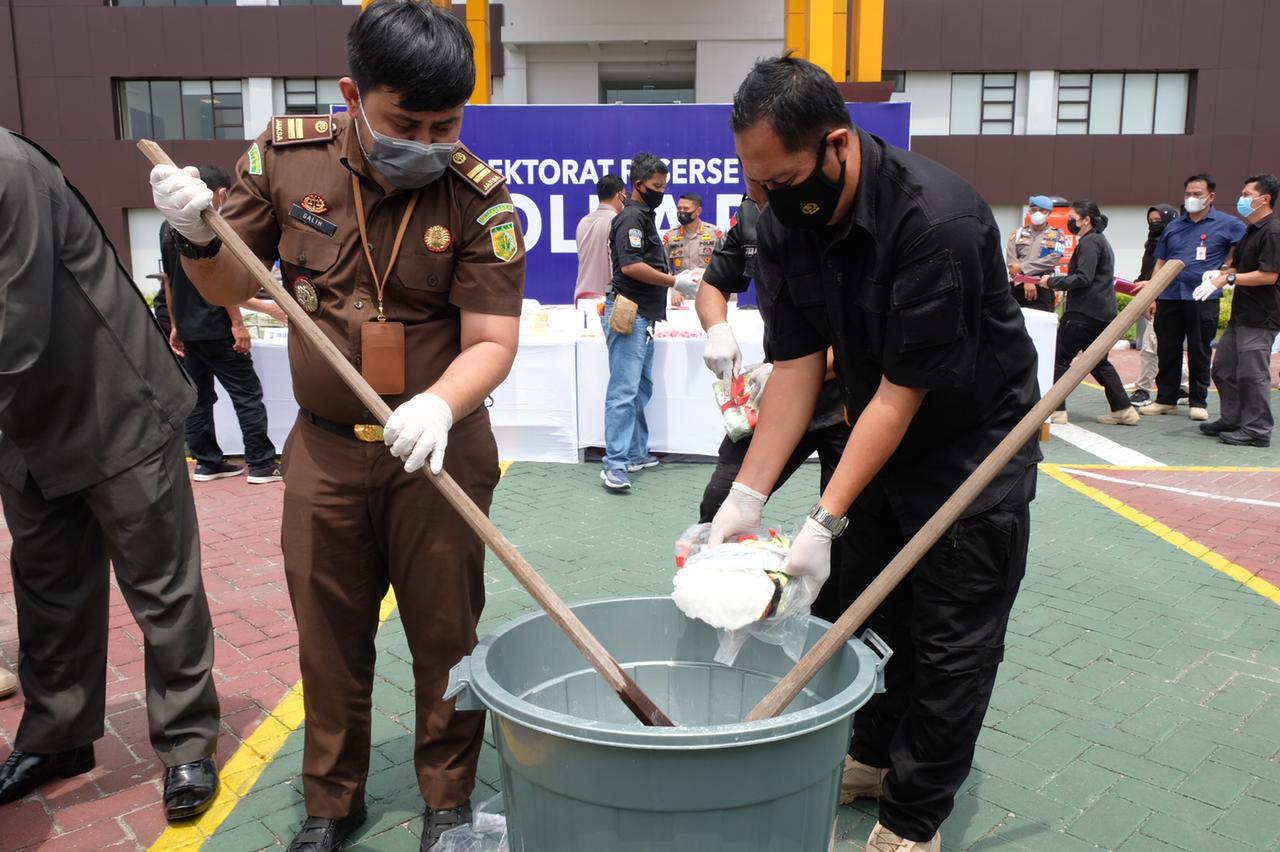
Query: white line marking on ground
x=1104 y=448
x=1189 y=492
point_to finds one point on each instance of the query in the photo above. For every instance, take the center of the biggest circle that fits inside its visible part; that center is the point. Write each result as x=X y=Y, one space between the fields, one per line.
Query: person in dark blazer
x=92 y=470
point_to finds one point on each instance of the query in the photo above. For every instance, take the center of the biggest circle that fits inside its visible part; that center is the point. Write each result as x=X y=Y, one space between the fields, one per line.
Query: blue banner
x=552 y=157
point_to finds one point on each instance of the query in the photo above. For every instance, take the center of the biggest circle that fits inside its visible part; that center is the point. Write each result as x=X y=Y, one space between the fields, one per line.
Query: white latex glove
x=761 y=378
x=687 y=283
x=722 y=355
x=1203 y=292
x=181 y=196
x=418 y=428
x=739 y=513
x=809 y=559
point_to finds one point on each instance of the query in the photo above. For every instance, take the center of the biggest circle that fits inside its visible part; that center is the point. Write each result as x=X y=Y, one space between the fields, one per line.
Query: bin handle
x=882 y=651
x=460 y=686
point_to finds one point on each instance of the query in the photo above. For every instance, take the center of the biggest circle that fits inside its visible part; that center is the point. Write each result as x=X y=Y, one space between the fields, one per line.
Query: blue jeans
x=626 y=432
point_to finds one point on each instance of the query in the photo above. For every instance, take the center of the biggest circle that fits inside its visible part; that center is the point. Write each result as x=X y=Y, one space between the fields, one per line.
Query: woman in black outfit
x=1090 y=306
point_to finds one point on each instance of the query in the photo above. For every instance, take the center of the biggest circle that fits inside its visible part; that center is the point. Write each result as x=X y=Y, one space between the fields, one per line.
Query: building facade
x=1114 y=100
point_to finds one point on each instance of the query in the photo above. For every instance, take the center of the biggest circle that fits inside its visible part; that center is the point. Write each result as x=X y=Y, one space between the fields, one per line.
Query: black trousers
x=144 y=521
x=828 y=443
x=1195 y=324
x=205 y=361
x=1075 y=334
x=1045 y=299
x=946 y=625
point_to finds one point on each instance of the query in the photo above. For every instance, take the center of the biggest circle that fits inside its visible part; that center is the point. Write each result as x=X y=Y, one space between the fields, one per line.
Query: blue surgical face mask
x=1244 y=206
x=406 y=164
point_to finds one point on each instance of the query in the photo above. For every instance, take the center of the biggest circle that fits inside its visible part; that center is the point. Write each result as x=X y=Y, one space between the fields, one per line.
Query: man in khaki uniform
x=1035 y=250
x=691 y=244
x=354 y=521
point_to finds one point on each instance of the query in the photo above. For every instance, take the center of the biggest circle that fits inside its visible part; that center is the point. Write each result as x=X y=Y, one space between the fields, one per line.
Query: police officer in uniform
x=406 y=250
x=895 y=262
x=1035 y=250
x=691 y=244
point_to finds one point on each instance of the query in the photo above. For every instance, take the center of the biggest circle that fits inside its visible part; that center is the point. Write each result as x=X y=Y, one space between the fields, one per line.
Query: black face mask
x=684 y=218
x=1073 y=225
x=809 y=204
x=651 y=197
x=1155 y=229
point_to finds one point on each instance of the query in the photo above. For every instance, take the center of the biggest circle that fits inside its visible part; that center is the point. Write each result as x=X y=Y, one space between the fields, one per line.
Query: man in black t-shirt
x=214 y=343
x=640 y=279
x=1241 y=364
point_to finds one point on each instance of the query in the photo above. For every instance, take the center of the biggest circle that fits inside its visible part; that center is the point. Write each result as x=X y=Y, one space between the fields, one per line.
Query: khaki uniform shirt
x=462 y=251
x=1037 y=250
x=691 y=252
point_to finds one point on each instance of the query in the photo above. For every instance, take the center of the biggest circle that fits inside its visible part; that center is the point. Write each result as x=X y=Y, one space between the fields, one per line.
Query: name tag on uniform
x=1202 y=252
x=311 y=220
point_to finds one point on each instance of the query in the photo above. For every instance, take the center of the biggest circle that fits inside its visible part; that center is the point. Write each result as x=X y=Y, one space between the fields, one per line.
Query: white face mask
x=1039 y=219
x=1194 y=204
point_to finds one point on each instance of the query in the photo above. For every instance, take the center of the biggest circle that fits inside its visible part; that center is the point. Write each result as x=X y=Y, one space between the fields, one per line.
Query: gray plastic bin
x=580 y=774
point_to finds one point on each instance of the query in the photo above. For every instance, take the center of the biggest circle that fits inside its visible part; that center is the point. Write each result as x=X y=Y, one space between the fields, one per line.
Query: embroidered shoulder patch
x=503 y=238
x=495 y=210
x=255 y=159
x=635 y=238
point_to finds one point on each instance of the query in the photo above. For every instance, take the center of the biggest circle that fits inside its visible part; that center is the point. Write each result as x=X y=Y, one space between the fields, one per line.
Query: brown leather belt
x=369 y=433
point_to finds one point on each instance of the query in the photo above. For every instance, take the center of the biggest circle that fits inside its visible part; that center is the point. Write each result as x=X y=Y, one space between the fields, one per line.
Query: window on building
x=181 y=109
x=171 y=2
x=1132 y=102
x=311 y=95
x=648 y=93
x=983 y=103
x=898 y=79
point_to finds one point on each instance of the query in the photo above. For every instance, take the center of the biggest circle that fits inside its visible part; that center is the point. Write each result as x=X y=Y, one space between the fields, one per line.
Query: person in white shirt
x=592 y=237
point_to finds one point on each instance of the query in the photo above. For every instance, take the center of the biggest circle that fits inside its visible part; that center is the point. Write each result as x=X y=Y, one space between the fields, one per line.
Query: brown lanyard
x=380 y=282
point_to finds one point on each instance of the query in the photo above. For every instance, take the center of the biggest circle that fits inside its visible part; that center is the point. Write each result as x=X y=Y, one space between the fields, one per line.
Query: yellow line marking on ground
x=242 y=769
x=1213 y=559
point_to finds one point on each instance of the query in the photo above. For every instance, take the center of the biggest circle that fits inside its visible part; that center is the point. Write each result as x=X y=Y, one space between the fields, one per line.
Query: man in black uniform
x=215 y=345
x=896 y=263
x=91 y=468
x=638 y=297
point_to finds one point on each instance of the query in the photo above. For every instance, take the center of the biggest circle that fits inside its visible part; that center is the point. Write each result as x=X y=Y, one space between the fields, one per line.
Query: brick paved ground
x=1136 y=710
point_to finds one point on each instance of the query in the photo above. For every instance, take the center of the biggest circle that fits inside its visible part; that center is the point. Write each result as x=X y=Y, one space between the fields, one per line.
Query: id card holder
x=382 y=356
x=1202 y=252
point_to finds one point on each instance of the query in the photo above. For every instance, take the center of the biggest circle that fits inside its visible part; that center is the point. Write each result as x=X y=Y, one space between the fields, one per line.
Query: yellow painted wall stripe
x=242 y=770
x=1214 y=560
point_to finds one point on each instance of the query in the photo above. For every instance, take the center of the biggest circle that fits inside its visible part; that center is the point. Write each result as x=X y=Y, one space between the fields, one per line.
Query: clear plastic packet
x=487 y=831
x=739 y=399
x=738 y=588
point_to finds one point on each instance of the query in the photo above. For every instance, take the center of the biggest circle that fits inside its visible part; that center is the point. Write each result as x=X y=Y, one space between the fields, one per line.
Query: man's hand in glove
x=418 y=428
x=809 y=560
x=687 y=281
x=1208 y=285
x=181 y=197
x=722 y=355
x=740 y=513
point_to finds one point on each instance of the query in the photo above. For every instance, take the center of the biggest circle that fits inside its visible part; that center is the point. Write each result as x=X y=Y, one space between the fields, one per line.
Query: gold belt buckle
x=370 y=433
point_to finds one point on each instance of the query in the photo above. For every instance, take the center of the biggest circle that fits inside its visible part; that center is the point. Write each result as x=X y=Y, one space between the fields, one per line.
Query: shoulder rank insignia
x=300 y=129
x=475 y=171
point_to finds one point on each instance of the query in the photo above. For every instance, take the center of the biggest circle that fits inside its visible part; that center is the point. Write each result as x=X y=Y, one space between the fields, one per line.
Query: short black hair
x=798 y=99
x=1204 y=176
x=694 y=197
x=1089 y=209
x=421 y=52
x=644 y=166
x=1266 y=184
x=609 y=186
x=215 y=177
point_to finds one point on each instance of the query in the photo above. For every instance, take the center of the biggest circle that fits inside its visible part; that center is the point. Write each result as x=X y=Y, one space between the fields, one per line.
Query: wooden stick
x=860 y=610
x=301 y=323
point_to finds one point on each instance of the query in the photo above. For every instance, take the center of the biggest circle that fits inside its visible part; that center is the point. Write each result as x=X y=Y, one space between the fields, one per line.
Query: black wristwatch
x=1231 y=279
x=186 y=248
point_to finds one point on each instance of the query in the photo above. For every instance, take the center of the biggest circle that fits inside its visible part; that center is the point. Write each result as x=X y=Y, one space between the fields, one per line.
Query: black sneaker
x=436 y=823
x=1216 y=428
x=216 y=470
x=1243 y=439
x=1183 y=394
x=265 y=474
x=1139 y=396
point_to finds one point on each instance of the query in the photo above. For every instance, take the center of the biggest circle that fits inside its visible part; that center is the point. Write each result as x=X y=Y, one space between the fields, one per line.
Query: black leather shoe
x=1243 y=439
x=189 y=789
x=24 y=771
x=319 y=834
x=436 y=823
x=1216 y=428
